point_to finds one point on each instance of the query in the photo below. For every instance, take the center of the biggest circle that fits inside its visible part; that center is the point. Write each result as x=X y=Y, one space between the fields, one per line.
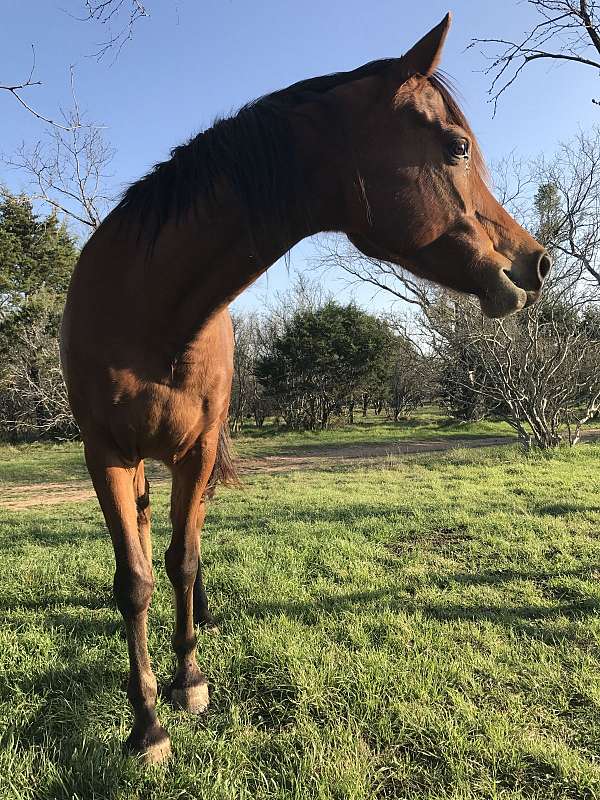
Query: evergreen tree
x=321 y=362
x=35 y=253
x=37 y=256
x=548 y=210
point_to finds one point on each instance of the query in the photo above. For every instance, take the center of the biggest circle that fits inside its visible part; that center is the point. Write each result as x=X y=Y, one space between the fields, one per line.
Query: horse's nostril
x=544 y=265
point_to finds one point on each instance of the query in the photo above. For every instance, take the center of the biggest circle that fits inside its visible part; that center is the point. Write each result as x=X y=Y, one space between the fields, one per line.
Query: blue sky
x=193 y=60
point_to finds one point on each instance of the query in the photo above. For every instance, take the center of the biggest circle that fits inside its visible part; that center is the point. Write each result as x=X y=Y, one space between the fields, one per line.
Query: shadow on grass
x=435 y=440
x=49 y=536
x=570 y=604
x=69 y=713
x=351 y=515
x=26 y=474
x=49 y=603
x=65 y=723
x=561 y=509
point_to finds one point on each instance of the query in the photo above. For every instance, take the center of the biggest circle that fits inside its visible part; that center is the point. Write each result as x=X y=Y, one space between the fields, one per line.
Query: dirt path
x=18 y=496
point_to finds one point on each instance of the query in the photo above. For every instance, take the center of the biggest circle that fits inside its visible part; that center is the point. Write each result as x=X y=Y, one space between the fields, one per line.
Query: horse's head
x=429 y=207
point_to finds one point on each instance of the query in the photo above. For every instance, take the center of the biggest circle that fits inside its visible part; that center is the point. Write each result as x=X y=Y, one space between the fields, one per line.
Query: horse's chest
x=169 y=419
x=172 y=420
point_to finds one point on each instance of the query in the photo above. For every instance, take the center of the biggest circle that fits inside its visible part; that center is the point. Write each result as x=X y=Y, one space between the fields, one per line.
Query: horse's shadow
x=564 y=508
x=62 y=719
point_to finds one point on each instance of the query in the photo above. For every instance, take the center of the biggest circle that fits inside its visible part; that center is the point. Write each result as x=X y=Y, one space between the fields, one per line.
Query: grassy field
x=429 y=630
x=45 y=463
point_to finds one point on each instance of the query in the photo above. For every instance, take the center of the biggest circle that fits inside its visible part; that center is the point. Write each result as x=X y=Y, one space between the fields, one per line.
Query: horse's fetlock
x=183 y=645
x=142 y=692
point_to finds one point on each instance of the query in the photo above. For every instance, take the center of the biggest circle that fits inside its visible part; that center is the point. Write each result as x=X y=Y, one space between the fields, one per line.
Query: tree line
x=37 y=256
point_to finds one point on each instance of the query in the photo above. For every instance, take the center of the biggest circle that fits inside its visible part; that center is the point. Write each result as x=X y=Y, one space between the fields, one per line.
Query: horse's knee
x=133 y=589
x=181 y=562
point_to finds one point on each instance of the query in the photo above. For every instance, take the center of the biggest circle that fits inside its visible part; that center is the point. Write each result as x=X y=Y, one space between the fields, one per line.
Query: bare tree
x=67 y=167
x=247 y=396
x=303 y=294
x=558 y=196
x=409 y=381
x=67 y=170
x=568 y=204
x=33 y=396
x=539 y=371
x=566 y=31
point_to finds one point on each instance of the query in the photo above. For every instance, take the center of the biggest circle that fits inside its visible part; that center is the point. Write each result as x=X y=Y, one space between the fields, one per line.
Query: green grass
x=41 y=463
x=426 y=631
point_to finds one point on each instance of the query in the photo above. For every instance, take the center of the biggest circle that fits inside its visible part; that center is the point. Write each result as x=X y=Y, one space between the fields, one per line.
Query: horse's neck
x=202 y=265
x=212 y=257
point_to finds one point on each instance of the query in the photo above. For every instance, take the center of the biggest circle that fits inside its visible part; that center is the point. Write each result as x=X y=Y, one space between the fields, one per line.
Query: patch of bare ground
x=20 y=496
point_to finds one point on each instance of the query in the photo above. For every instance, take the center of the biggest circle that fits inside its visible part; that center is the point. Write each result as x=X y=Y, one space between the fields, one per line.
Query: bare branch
x=568 y=31
x=123 y=14
x=16 y=89
x=68 y=168
x=339 y=256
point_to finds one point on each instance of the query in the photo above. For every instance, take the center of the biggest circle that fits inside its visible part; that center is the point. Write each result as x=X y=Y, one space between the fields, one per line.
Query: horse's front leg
x=133 y=585
x=189 y=689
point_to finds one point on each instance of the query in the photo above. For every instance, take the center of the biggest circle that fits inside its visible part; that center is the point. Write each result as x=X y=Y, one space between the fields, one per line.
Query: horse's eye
x=459 y=148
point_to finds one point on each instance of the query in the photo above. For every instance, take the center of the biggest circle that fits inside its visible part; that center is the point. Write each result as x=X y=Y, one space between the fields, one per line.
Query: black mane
x=253 y=152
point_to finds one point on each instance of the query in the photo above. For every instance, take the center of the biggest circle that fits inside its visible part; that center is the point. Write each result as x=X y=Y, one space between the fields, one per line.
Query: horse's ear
x=424 y=57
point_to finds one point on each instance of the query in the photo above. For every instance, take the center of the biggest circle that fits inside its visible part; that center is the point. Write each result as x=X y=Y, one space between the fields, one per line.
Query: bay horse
x=382 y=154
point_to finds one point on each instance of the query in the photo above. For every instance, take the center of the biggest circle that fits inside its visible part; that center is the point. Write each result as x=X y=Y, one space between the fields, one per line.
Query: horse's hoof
x=211 y=630
x=157 y=753
x=193 y=699
x=152 y=748
x=206 y=622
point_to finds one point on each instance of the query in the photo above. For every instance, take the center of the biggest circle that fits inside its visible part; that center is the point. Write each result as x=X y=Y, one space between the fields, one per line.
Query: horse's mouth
x=532 y=296
x=514 y=278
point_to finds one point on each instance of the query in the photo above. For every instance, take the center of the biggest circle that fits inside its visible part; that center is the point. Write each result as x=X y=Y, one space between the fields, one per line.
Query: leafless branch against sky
x=567 y=31
x=17 y=91
x=67 y=168
x=338 y=256
x=119 y=18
